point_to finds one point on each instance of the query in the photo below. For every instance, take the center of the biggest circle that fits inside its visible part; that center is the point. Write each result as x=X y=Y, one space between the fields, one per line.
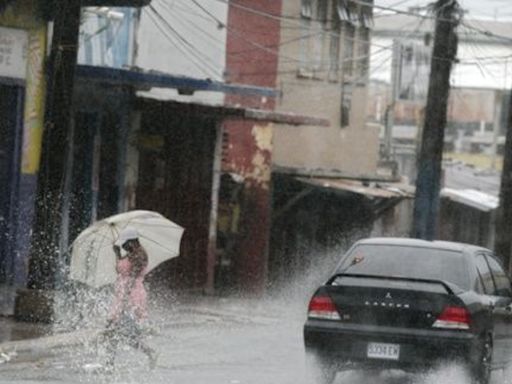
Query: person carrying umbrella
x=129 y=307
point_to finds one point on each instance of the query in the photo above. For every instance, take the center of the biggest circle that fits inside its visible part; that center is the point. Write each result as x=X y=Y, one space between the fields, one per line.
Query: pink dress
x=136 y=301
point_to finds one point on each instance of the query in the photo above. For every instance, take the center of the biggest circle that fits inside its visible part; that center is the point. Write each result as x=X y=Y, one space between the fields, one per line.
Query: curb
x=50 y=342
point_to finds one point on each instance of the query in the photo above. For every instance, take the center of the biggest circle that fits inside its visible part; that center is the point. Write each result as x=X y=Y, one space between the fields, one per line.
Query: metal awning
x=115 y=3
x=145 y=80
x=371 y=190
x=233 y=112
x=471 y=198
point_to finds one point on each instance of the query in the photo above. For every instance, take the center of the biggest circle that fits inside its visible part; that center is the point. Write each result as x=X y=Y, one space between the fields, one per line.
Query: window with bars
x=349 y=33
x=346 y=104
x=335 y=41
x=321 y=28
x=363 y=59
x=306 y=18
x=315 y=45
x=334 y=31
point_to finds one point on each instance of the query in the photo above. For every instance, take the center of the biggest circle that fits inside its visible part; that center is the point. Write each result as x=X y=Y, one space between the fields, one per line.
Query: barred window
x=363 y=60
x=314 y=36
x=306 y=10
x=349 y=32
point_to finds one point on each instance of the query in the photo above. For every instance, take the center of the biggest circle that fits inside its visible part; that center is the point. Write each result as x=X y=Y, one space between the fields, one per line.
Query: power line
x=178 y=19
x=258 y=46
x=198 y=65
x=293 y=18
x=268 y=49
x=486 y=32
x=192 y=49
x=384 y=8
x=240 y=35
x=277 y=53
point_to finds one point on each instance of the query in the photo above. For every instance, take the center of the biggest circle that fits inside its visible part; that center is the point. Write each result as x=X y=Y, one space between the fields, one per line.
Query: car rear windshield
x=407 y=261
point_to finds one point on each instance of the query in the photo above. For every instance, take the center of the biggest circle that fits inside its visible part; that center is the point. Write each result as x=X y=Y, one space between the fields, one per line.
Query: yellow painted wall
x=21 y=14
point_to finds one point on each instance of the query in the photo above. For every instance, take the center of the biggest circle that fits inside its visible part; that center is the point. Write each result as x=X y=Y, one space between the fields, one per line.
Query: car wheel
x=482 y=372
x=320 y=369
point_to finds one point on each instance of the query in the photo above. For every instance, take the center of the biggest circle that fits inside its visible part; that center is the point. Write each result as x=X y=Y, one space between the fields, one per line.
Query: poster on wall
x=13 y=53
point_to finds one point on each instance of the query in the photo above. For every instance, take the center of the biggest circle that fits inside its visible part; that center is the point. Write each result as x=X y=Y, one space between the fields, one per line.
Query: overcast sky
x=489 y=9
x=486 y=74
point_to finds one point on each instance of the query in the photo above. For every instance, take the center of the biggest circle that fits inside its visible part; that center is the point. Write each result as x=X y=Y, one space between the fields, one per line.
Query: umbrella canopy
x=93 y=261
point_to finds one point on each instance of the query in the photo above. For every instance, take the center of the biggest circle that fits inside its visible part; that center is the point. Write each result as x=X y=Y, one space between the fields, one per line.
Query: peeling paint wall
x=248 y=145
x=250 y=155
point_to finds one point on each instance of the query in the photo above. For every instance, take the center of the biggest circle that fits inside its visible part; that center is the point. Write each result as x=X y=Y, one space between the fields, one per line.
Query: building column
x=248 y=154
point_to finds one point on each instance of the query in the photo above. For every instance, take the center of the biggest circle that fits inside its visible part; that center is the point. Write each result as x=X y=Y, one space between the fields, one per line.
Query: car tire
x=320 y=369
x=481 y=373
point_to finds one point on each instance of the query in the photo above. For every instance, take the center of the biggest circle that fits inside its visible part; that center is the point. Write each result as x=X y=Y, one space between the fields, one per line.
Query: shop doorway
x=11 y=125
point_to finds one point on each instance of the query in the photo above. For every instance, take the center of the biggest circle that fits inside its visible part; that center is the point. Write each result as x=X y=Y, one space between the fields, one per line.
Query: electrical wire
x=486 y=32
x=475 y=61
x=262 y=47
x=185 y=21
x=170 y=39
x=217 y=21
x=185 y=43
x=240 y=35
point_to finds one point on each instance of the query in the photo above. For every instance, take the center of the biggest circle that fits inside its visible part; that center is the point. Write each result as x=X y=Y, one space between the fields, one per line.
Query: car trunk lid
x=395 y=302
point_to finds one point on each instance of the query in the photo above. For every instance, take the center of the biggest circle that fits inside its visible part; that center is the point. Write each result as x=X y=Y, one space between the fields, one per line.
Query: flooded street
x=216 y=341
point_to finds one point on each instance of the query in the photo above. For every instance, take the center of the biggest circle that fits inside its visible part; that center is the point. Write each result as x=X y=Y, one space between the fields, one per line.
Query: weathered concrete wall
x=353 y=149
x=248 y=145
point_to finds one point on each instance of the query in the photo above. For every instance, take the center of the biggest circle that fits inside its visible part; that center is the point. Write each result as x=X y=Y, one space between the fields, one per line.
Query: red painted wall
x=252 y=45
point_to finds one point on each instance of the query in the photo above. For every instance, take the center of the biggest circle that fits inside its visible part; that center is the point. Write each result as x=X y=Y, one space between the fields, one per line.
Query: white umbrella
x=93 y=260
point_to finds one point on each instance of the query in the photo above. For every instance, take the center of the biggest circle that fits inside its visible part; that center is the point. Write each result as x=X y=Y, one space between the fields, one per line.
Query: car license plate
x=383 y=351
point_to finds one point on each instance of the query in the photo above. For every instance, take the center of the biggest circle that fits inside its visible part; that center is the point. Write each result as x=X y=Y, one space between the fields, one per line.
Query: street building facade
x=23 y=31
x=327 y=188
x=149 y=131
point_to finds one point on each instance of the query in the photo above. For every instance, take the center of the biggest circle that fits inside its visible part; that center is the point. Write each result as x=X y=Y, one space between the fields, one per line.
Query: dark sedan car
x=409 y=304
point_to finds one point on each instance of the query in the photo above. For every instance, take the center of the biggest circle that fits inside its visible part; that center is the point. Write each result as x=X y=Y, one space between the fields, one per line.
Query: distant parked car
x=409 y=304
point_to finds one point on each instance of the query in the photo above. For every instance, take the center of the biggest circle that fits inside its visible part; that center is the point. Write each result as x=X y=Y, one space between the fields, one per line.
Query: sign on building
x=13 y=53
x=413 y=70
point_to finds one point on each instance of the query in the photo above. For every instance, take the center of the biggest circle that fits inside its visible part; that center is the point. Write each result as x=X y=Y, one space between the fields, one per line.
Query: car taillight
x=453 y=318
x=322 y=307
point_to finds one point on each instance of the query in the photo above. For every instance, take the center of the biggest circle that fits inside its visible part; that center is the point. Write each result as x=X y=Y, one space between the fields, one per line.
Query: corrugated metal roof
x=472 y=198
x=235 y=111
x=145 y=80
x=362 y=188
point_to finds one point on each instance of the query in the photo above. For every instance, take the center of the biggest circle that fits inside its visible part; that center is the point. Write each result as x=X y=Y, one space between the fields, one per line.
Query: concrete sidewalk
x=21 y=339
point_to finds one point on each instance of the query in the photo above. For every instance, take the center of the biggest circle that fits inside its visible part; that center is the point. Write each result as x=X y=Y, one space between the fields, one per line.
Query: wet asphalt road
x=221 y=342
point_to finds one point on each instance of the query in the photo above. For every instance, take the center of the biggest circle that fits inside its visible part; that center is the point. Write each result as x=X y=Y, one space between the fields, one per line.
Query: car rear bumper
x=419 y=349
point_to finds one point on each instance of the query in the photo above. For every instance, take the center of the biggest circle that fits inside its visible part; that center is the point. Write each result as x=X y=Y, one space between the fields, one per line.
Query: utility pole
x=57 y=134
x=390 y=109
x=498 y=96
x=503 y=242
x=428 y=182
